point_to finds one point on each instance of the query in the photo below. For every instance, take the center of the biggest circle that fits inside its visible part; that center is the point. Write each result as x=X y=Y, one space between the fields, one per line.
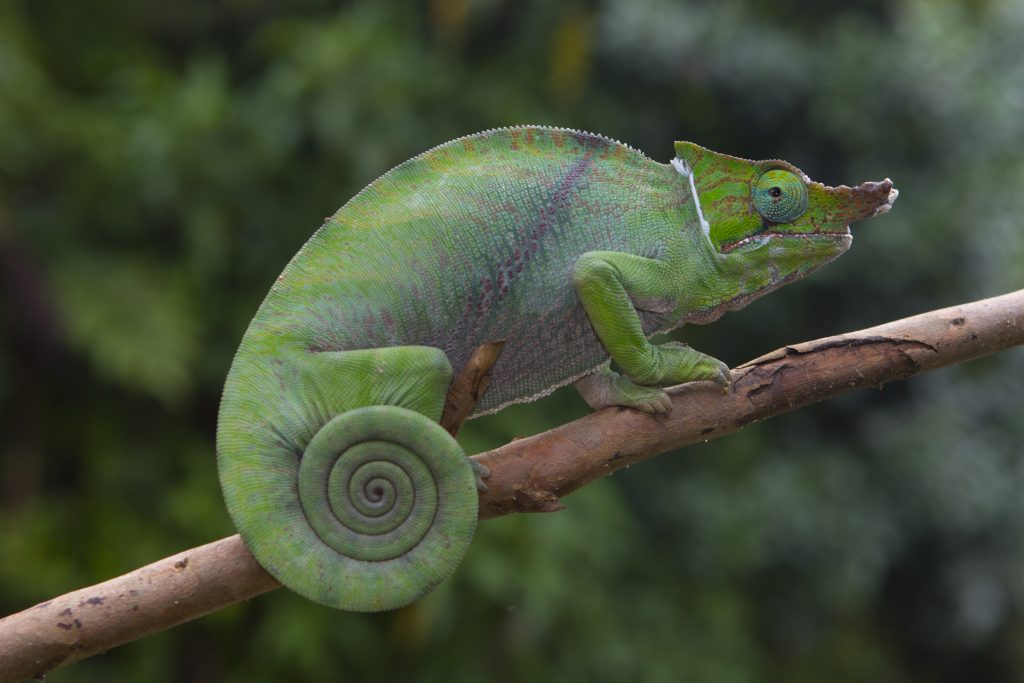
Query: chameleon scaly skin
x=572 y=247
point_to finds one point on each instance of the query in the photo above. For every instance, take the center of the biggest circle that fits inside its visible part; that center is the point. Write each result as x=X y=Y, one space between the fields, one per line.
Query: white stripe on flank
x=684 y=169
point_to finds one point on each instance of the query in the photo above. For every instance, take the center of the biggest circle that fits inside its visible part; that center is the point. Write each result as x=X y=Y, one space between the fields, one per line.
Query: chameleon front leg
x=605 y=281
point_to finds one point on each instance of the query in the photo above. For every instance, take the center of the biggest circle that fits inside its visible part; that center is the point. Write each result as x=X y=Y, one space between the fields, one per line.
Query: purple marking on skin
x=495 y=287
x=586 y=139
x=549 y=211
x=326 y=338
x=388 y=321
x=370 y=323
x=558 y=199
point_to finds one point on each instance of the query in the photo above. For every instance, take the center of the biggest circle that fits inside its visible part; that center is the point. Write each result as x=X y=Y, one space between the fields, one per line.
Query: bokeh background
x=160 y=163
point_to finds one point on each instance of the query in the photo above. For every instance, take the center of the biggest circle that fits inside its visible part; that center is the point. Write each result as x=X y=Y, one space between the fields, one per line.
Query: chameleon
x=572 y=247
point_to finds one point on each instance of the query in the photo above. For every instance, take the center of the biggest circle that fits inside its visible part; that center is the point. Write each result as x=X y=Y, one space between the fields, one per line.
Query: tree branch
x=531 y=474
x=527 y=475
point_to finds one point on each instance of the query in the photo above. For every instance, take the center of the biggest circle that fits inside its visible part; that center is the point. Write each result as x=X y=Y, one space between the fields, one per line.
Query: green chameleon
x=572 y=247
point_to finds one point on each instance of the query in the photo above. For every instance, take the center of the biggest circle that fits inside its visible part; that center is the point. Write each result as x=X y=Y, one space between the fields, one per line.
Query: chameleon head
x=769 y=216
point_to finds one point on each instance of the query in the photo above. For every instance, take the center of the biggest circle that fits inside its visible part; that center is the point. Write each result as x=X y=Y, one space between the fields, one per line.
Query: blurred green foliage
x=160 y=163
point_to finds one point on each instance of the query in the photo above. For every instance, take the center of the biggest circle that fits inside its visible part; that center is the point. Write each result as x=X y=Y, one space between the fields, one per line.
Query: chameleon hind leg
x=386 y=502
x=414 y=377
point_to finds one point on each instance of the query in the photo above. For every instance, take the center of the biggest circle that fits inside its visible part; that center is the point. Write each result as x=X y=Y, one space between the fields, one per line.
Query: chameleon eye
x=780 y=196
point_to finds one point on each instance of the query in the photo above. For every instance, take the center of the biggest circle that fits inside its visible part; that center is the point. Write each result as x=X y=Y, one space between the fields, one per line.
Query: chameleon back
x=474 y=241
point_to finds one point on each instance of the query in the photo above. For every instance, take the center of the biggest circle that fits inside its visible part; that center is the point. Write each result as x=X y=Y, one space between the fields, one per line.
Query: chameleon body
x=570 y=246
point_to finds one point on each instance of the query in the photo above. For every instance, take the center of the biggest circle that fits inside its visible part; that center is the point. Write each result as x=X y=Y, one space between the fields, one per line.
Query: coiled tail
x=392 y=500
x=379 y=509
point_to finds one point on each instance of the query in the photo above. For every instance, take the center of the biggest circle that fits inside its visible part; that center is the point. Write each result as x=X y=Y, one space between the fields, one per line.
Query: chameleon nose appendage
x=890 y=198
x=874 y=198
x=865 y=200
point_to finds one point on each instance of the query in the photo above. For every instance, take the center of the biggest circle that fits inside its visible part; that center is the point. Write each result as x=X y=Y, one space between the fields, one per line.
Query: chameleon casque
x=572 y=247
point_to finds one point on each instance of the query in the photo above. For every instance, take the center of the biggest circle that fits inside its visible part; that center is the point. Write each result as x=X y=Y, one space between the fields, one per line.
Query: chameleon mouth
x=761 y=238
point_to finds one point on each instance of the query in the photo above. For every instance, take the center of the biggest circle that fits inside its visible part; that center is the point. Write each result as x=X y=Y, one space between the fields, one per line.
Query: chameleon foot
x=605 y=387
x=481 y=471
x=677 y=363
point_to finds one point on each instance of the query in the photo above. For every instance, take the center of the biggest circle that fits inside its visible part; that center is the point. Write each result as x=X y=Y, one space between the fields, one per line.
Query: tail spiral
x=392 y=502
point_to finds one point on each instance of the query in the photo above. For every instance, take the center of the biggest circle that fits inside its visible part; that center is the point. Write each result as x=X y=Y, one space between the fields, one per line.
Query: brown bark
x=160 y=595
x=527 y=475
